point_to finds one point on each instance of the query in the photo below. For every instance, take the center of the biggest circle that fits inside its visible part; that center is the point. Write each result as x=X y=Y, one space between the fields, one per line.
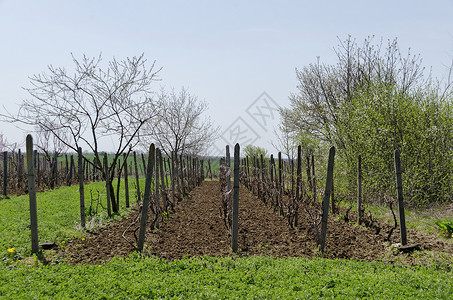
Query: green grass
x=201 y=278
x=226 y=278
x=422 y=219
x=58 y=215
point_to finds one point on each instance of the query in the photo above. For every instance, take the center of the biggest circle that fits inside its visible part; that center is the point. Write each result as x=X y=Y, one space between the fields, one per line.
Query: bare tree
x=179 y=126
x=94 y=102
x=47 y=142
x=286 y=142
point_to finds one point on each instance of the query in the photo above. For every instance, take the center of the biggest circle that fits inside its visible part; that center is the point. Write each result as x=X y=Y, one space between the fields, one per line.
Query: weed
x=446 y=227
x=229 y=278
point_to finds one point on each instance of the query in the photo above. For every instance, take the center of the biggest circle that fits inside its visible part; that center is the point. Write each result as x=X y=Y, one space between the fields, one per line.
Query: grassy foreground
x=58 y=215
x=200 y=278
x=221 y=278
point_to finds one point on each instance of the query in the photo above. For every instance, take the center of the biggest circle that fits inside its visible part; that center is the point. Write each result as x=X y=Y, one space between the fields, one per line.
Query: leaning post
x=107 y=184
x=399 y=190
x=147 y=195
x=126 y=179
x=137 y=181
x=325 y=203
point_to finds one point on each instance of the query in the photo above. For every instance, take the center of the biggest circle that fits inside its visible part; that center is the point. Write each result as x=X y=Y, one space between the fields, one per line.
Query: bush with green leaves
x=379 y=120
x=446 y=227
x=255 y=151
x=372 y=102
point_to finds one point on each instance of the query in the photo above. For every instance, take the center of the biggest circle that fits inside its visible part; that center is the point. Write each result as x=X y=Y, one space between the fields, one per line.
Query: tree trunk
x=112 y=196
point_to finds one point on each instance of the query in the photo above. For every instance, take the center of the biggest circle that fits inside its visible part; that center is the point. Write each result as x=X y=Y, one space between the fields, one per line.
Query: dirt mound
x=196 y=228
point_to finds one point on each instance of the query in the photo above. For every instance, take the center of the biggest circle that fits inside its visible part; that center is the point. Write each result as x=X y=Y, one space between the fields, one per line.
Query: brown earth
x=196 y=228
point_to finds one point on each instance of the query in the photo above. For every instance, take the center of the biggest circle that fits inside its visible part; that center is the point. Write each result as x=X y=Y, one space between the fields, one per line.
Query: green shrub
x=372 y=102
x=446 y=227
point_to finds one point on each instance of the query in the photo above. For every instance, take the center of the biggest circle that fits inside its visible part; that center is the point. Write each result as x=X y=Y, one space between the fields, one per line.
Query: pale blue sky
x=225 y=52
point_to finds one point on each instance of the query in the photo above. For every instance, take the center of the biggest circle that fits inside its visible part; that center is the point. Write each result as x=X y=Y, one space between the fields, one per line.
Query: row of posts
x=232 y=203
x=50 y=173
x=256 y=181
x=193 y=171
x=151 y=165
x=186 y=176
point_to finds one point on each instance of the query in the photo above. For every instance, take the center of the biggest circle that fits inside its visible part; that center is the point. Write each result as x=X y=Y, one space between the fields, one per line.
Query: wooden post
x=359 y=190
x=181 y=171
x=198 y=171
x=325 y=203
x=81 y=187
x=234 y=240
x=35 y=163
x=228 y=179
x=32 y=196
x=263 y=180
x=292 y=179
x=126 y=180
x=96 y=168
x=67 y=169
x=209 y=170
x=254 y=175
x=107 y=185
x=177 y=177
x=163 y=191
x=249 y=167
x=284 y=175
x=71 y=170
x=299 y=172
x=332 y=196
x=310 y=184
x=137 y=181
x=192 y=177
x=194 y=172
x=38 y=170
x=202 y=176
x=167 y=171
x=247 y=171
x=313 y=173
x=147 y=194
x=144 y=163
x=53 y=181
x=280 y=186
x=5 y=173
x=271 y=169
x=191 y=164
x=298 y=186
x=189 y=173
x=399 y=189
x=19 y=170
x=118 y=186
x=173 y=177
x=156 y=191
x=86 y=167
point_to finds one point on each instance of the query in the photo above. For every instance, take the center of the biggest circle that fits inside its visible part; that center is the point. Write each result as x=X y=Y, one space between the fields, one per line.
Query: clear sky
x=226 y=52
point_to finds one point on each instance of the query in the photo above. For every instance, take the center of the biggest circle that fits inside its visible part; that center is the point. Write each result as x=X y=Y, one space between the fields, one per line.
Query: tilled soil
x=196 y=228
